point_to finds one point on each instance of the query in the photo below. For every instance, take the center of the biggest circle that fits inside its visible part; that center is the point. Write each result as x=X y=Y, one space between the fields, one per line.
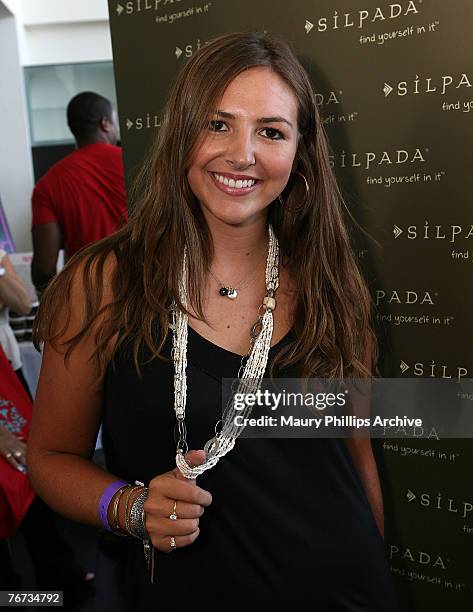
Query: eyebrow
x=275 y=119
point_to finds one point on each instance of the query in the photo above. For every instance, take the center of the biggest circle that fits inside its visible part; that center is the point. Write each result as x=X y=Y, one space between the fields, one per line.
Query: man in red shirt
x=81 y=199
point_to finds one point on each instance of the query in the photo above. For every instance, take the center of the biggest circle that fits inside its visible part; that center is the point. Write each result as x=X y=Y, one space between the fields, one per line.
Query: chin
x=235 y=215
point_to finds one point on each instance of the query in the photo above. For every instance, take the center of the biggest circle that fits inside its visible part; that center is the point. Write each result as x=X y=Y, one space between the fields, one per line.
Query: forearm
x=14 y=295
x=372 y=488
x=70 y=484
x=47 y=242
x=41 y=278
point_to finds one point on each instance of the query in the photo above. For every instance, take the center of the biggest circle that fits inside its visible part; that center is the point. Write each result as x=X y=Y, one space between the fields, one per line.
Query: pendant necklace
x=249 y=376
x=231 y=292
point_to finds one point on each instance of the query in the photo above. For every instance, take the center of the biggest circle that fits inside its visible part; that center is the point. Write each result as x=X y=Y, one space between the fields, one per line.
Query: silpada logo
x=362 y=18
x=137 y=6
x=440 y=502
x=405 y=297
x=430 y=231
x=442 y=84
x=421 y=557
x=369 y=159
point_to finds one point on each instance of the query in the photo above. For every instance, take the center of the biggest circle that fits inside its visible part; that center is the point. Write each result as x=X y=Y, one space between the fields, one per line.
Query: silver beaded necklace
x=249 y=375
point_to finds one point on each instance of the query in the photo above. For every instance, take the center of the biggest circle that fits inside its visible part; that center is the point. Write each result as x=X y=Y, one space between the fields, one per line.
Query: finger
x=186 y=540
x=180 y=509
x=165 y=489
x=19 y=455
x=166 y=527
x=176 y=489
x=193 y=458
x=183 y=509
x=164 y=544
x=12 y=461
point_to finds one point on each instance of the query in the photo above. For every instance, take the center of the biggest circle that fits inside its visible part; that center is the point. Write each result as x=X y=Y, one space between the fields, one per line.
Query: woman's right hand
x=190 y=499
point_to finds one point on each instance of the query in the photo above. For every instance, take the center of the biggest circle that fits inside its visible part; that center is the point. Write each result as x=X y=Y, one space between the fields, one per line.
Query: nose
x=240 y=152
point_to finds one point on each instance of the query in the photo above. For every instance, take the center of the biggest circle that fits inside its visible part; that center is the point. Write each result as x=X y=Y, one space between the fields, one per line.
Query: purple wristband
x=106 y=499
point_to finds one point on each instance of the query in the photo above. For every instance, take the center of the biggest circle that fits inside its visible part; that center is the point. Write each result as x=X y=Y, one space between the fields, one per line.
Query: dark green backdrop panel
x=394 y=84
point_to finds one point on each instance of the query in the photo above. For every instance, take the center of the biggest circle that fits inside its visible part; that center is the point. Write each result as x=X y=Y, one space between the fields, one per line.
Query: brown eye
x=216 y=126
x=273 y=134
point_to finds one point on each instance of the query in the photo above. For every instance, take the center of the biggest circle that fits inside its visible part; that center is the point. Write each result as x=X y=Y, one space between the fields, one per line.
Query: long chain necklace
x=232 y=291
x=248 y=378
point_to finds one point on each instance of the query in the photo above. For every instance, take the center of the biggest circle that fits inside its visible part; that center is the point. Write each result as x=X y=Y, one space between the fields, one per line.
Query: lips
x=234 y=181
x=235 y=185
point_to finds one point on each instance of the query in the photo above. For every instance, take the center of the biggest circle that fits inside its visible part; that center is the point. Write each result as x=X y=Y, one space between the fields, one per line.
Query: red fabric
x=16 y=492
x=84 y=193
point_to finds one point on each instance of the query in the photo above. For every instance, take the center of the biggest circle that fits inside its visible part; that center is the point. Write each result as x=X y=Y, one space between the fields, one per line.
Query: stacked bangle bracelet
x=128 y=509
x=116 y=502
x=105 y=500
x=134 y=513
x=137 y=516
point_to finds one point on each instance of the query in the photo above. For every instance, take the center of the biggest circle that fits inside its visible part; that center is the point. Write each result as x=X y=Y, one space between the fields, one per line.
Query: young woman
x=237 y=263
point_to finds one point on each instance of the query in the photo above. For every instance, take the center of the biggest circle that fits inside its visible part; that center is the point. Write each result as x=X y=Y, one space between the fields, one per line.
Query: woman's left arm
x=362 y=455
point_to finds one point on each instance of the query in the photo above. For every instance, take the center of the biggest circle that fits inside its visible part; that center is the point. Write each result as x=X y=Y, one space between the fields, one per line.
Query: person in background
x=81 y=198
x=54 y=562
x=14 y=296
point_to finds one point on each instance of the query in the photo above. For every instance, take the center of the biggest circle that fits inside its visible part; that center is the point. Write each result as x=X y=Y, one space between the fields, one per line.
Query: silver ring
x=173 y=543
x=18 y=454
x=173 y=515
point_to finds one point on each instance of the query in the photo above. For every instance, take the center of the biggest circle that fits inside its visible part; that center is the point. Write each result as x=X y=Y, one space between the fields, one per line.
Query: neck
x=237 y=248
x=98 y=139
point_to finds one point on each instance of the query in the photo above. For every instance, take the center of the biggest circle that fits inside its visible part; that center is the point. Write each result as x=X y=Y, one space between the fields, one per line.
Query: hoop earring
x=305 y=181
x=306 y=186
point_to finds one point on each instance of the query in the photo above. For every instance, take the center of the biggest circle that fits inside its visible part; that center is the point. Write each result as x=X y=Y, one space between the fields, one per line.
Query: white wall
x=37 y=12
x=66 y=43
x=16 y=172
x=65 y=32
x=11 y=5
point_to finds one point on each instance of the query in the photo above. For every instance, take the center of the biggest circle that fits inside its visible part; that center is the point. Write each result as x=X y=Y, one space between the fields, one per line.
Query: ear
x=105 y=124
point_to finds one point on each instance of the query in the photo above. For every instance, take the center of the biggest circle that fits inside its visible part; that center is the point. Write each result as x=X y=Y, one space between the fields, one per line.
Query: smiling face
x=245 y=159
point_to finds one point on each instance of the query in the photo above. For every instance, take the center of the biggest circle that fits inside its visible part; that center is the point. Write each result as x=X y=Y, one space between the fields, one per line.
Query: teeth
x=239 y=184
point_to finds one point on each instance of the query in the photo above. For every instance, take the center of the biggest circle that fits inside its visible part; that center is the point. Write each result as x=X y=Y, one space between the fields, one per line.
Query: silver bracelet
x=137 y=516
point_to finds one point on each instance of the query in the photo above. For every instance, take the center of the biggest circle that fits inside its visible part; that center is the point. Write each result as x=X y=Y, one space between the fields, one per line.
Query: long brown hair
x=333 y=314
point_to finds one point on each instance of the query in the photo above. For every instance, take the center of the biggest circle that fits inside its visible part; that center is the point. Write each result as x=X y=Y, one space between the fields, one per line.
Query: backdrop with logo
x=394 y=85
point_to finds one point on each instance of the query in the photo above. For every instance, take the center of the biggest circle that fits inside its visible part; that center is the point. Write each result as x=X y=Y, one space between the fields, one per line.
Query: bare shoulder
x=75 y=309
x=98 y=269
x=83 y=290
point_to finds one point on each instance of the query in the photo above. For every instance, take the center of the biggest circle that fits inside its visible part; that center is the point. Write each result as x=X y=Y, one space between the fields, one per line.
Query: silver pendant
x=228 y=292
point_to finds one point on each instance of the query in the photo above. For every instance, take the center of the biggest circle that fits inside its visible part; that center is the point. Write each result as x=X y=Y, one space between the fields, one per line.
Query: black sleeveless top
x=289 y=523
